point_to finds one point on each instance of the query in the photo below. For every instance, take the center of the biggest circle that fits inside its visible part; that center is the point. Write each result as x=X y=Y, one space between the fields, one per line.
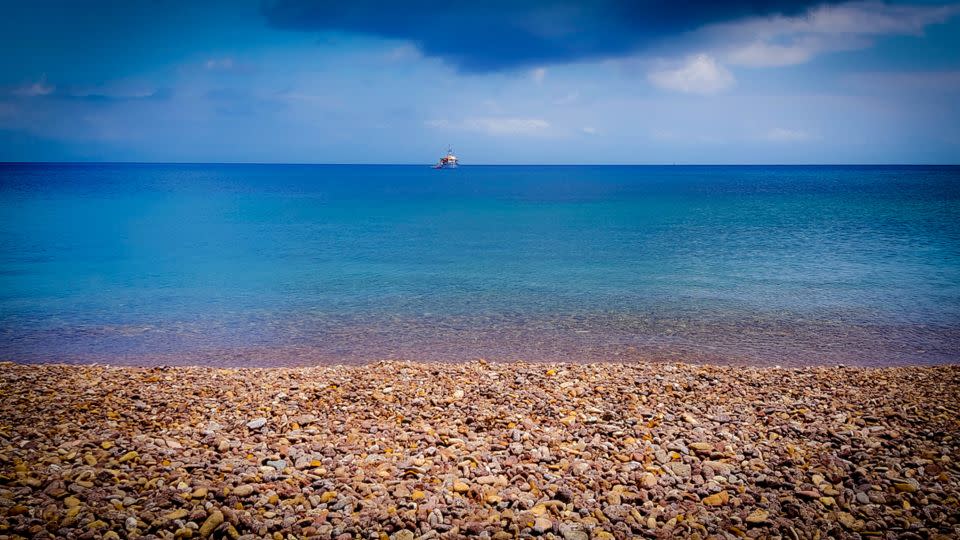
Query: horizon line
x=429 y=165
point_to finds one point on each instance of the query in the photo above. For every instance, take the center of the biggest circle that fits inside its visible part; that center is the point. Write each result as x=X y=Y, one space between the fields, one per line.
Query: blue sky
x=551 y=81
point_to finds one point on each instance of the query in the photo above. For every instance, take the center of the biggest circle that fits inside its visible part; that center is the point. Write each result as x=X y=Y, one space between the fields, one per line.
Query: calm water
x=266 y=264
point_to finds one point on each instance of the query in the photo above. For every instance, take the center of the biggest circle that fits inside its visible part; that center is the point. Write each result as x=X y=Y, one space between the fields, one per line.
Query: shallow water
x=284 y=264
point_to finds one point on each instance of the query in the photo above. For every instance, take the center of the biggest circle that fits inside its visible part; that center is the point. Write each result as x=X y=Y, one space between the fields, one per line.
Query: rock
x=542 y=525
x=212 y=522
x=129 y=456
x=278 y=464
x=257 y=423
x=850 y=522
x=648 y=480
x=572 y=532
x=717 y=499
x=682 y=470
x=688 y=418
x=907 y=486
x=244 y=491
x=758 y=516
x=701 y=447
x=719 y=467
x=499 y=464
x=179 y=513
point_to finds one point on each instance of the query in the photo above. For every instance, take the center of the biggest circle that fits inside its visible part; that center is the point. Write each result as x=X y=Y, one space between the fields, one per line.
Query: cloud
x=568 y=99
x=404 y=52
x=787 y=135
x=538 y=74
x=779 y=40
x=219 y=64
x=39 y=88
x=480 y=37
x=699 y=74
x=911 y=82
x=496 y=125
x=590 y=130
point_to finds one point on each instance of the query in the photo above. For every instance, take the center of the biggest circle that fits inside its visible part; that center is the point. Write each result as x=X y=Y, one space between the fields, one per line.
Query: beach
x=406 y=450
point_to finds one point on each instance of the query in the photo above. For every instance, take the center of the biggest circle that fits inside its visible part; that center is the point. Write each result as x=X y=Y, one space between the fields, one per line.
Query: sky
x=540 y=82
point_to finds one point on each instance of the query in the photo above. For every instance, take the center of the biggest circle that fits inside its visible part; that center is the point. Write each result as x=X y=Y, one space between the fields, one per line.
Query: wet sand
x=489 y=450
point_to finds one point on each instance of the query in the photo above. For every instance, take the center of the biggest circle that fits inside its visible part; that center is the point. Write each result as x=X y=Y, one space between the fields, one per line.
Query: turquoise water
x=286 y=264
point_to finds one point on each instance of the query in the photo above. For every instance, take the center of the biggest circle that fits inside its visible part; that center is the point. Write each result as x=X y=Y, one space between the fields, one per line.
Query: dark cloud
x=495 y=35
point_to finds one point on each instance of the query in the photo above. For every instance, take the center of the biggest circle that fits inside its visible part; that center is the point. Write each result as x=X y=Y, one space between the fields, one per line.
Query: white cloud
x=39 y=88
x=787 y=135
x=700 y=74
x=508 y=125
x=495 y=125
x=567 y=99
x=404 y=52
x=781 y=41
x=225 y=64
x=538 y=74
x=589 y=130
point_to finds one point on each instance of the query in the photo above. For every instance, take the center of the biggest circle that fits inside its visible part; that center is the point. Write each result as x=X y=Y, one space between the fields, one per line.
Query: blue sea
x=266 y=265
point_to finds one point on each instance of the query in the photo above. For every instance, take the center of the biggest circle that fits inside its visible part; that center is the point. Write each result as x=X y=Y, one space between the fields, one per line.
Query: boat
x=448 y=161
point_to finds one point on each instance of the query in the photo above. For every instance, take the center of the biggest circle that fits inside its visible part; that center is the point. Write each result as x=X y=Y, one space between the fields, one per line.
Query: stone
x=758 y=516
x=906 y=486
x=648 y=480
x=460 y=487
x=212 y=522
x=278 y=464
x=719 y=467
x=701 y=447
x=847 y=520
x=572 y=532
x=257 y=423
x=717 y=499
x=244 y=491
x=683 y=470
x=542 y=525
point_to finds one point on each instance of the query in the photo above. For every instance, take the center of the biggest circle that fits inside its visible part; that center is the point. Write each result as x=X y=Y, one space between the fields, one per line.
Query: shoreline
x=476 y=449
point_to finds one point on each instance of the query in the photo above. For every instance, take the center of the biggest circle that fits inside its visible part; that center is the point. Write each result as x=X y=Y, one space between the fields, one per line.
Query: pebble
x=401 y=450
x=542 y=525
x=758 y=516
x=244 y=491
x=212 y=522
x=277 y=464
x=257 y=423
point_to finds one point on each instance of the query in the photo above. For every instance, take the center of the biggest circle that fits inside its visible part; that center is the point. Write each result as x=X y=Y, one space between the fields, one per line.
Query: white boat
x=448 y=161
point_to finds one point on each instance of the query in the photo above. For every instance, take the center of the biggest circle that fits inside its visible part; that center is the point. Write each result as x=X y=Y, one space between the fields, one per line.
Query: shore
x=409 y=450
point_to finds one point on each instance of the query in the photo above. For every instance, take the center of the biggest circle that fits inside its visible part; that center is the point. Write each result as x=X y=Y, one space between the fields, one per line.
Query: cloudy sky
x=551 y=81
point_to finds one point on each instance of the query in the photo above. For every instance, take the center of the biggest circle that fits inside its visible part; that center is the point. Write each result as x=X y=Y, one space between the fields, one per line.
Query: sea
x=291 y=265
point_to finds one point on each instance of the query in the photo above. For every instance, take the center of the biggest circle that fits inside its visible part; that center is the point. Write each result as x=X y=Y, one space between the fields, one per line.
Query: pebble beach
x=400 y=450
